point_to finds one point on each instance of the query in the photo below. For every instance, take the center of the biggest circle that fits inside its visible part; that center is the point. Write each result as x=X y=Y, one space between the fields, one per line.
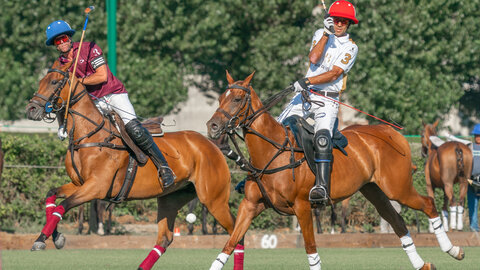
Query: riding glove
x=328 y=26
x=300 y=85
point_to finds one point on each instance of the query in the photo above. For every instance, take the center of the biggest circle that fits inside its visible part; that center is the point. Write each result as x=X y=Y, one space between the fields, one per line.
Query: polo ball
x=191 y=218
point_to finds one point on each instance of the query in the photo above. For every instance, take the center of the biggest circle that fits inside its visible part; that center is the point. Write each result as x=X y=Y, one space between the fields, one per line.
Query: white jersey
x=340 y=52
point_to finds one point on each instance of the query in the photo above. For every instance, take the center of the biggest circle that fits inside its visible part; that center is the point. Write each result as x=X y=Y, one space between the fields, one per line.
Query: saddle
x=304 y=132
x=153 y=125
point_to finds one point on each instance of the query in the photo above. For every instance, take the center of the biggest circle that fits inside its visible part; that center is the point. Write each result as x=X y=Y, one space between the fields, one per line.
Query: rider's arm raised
x=316 y=53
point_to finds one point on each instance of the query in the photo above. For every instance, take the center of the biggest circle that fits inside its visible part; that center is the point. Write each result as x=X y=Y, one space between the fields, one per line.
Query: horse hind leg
x=461 y=203
x=168 y=207
x=381 y=202
x=412 y=199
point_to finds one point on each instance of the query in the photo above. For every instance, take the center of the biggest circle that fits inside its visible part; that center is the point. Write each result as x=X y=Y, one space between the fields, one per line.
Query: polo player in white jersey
x=332 y=55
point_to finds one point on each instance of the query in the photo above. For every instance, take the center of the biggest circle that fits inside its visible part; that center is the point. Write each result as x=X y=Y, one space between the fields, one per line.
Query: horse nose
x=214 y=127
x=33 y=111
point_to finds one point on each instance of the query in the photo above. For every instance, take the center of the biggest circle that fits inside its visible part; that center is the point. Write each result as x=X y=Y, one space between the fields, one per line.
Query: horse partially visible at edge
x=98 y=163
x=378 y=164
x=447 y=165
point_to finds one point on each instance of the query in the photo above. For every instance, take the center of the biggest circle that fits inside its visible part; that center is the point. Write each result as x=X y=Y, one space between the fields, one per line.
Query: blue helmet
x=57 y=28
x=476 y=130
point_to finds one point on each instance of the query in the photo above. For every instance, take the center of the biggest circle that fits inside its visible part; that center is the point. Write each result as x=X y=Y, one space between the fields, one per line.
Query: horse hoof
x=428 y=266
x=38 y=246
x=59 y=241
x=461 y=255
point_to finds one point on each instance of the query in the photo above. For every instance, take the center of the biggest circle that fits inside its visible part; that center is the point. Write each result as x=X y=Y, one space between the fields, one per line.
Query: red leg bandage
x=50 y=206
x=52 y=222
x=238 y=257
x=152 y=257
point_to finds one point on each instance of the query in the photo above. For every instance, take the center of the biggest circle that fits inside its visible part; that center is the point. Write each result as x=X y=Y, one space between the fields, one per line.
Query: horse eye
x=237 y=99
x=54 y=82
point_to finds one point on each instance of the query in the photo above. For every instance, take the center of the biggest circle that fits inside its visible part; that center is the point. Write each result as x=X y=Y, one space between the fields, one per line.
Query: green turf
x=261 y=259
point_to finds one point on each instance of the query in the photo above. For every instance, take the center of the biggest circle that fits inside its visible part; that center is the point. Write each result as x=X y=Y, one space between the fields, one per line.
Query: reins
x=256 y=174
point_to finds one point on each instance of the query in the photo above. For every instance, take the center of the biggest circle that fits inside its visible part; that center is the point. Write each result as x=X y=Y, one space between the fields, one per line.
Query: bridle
x=52 y=104
x=244 y=119
x=230 y=127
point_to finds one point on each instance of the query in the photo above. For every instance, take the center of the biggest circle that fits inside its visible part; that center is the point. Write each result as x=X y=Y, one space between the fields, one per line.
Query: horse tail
x=460 y=163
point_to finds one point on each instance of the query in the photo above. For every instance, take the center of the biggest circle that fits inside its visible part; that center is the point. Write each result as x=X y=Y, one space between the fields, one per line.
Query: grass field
x=261 y=259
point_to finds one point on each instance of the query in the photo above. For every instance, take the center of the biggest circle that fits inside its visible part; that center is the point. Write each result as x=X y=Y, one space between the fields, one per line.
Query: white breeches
x=119 y=103
x=324 y=116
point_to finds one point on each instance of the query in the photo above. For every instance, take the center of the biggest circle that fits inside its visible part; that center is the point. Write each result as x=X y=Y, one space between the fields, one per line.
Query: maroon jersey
x=91 y=58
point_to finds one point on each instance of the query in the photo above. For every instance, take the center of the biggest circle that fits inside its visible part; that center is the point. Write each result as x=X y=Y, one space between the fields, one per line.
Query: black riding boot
x=319 y=194
x=143 y=139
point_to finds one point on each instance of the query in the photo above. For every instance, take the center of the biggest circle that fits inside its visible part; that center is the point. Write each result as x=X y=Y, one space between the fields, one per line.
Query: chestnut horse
x=101 y=165
x=378 y=165
x=448 y=164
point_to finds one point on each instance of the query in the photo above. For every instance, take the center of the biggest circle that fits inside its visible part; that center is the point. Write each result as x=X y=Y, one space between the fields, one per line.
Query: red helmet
x=343 y=9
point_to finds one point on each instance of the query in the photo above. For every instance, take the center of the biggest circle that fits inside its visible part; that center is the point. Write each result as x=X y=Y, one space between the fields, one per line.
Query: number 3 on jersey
x=346 y=59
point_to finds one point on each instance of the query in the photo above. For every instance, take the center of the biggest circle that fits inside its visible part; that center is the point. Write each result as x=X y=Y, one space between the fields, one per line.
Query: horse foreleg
x=302 y=211
x=76 y=195
x=50 y=206
x=247 y=211
x=382 y=203
x=81 y=215
x=168 y=207
x=316 y=213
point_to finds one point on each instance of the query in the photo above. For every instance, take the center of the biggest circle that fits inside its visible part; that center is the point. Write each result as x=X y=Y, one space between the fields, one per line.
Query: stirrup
x=322 y=201
x=165 y=181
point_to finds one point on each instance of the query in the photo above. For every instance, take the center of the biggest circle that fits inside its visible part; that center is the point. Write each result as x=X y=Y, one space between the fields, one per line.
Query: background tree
x=416 y=58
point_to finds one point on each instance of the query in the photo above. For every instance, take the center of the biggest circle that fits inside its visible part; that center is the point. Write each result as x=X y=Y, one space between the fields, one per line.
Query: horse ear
x=229 y=78
x=435 y=124
x=249 y=78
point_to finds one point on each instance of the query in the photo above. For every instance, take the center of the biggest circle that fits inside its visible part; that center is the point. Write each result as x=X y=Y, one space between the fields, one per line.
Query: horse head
x=50 y=96
x=236 y=104
x=428 y=130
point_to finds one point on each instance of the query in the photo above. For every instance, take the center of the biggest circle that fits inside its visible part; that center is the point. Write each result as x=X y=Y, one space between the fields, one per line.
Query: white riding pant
x=119 y=103
x=324 y=116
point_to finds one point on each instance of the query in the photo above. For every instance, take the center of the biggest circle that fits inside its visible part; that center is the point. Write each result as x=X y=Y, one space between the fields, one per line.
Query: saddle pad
x=436 y=141
x=450 y=138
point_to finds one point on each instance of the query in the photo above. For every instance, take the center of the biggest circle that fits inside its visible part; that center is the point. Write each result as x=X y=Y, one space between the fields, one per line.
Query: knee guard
x=323 y=146
x=139 y=134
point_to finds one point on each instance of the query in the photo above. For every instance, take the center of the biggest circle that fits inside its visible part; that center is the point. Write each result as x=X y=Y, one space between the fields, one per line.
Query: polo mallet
x=87 y=12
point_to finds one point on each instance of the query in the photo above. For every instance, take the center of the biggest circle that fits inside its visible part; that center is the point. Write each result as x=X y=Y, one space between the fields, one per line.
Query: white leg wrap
x=221 y=260
x=445 y=220
x=430 y=227
x=453 y=217
x=442 y=238
x=454 y=251
x=314 y=261
x=409 y=247
x=460 y=218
